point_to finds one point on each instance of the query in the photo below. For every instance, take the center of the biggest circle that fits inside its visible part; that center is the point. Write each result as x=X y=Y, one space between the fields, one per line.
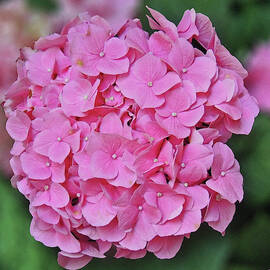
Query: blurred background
x=241 y=25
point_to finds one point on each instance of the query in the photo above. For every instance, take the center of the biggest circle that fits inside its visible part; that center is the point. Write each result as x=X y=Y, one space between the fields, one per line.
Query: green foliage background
x=241 y=24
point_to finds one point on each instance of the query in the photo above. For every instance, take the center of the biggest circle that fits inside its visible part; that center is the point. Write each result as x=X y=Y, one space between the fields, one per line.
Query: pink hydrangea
x=258 y=80
x=120 y=137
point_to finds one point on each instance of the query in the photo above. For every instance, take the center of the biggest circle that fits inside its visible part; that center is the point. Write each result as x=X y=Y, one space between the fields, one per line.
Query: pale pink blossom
x=226 y=177
x=56 y=143
x=177 y=115
x=94 y=51
x=258 y=79
x=78 y=97
x=149 y=75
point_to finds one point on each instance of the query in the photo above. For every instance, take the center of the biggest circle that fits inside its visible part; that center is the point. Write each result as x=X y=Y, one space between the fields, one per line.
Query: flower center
x=114 y=156
x=159 y=194
x=150 y=84
x=101 y=54
x=174 y=114
x=79 y=62
x=222 y=173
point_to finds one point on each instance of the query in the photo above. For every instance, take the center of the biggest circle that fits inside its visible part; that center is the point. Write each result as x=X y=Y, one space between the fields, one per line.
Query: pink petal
x=174 y=126
x=201 y=72
x=133 y=241
x=115 y=48
x=58 y=151
x=160 y=44
x=219 y=213
x=102 y=165
x=168 y=228
x=165 y=247
x=112 y=124
x=125 y=178
x=192 y=173
x=187 y=28
x=34 y=166
x=111 y=232
x=74 y=141
x=223 y=159
x=191 y=117
x=137 y=38
x=191 y=221
x=125 y=253
x=221 y=91
x=199 y=196
x=163 y=24
x=87 y=64
x=228 y=61
x=113 y=67
x=166 y=83
x=18 y=126
x=100 y=213
x=149 y=68
x=59 y=197
x=171 y=206
x=230 y=109
x=43 y=142
x=181 y=55
x=249 y=111
x=58 y=173
x=41 y=198
x=68 y=243
x=230 y=186
x=48 y=215
x=71 y=263
x=47 y=237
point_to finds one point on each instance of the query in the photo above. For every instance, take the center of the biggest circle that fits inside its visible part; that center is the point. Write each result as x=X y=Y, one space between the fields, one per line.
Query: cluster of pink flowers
x=258 y=80
x=14 y=14
x=120 y=136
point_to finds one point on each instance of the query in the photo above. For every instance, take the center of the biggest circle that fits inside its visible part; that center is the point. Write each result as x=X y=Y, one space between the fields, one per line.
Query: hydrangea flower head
x=120 y=137
x=258 y=80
